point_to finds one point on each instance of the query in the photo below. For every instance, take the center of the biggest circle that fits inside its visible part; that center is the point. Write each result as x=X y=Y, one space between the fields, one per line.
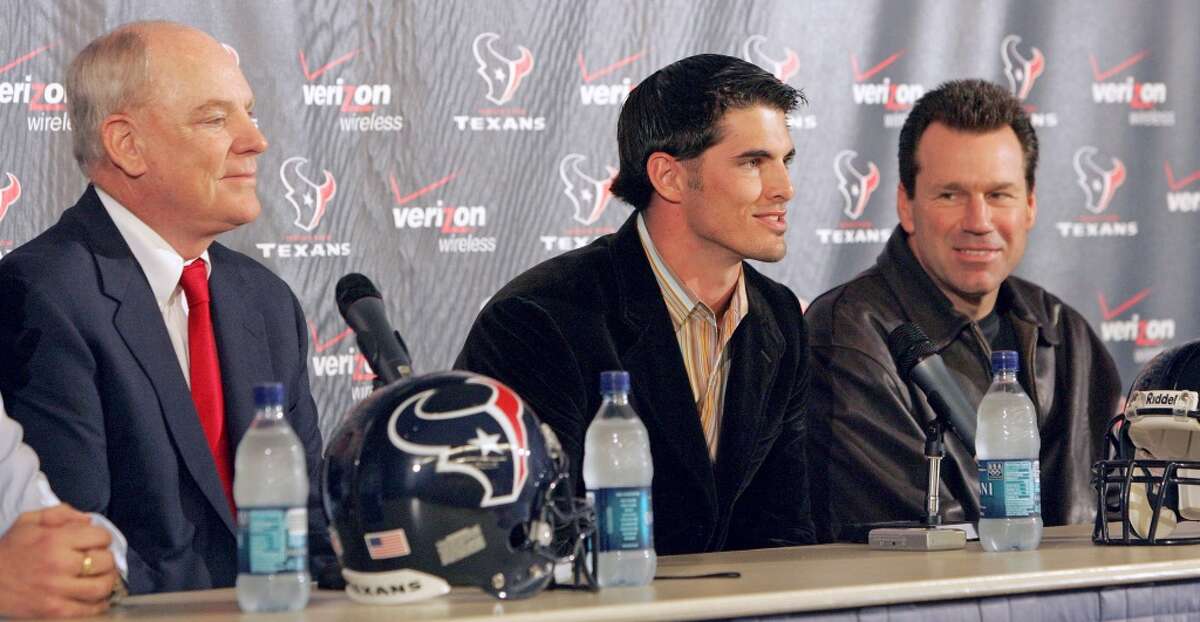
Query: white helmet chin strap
x=392 y=588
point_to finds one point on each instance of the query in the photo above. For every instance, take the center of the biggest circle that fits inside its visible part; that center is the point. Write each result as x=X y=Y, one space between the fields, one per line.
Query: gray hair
x=110 y=75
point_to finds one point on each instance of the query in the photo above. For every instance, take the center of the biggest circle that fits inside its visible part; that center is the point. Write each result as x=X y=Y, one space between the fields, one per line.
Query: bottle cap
x=1004 y=360
x=614 y=382
x=268 y=394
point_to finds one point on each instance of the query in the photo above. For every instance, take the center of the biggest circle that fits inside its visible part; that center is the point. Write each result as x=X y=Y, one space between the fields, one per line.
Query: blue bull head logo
x=475 y=429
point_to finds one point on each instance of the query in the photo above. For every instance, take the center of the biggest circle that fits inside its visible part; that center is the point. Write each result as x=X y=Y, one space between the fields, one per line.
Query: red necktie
x=206 y=372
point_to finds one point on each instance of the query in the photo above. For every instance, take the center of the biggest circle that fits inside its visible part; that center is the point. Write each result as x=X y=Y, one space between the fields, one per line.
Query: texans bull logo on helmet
x=496 y=455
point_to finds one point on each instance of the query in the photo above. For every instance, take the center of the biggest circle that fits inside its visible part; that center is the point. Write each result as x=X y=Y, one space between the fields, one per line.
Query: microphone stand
x=935 y=450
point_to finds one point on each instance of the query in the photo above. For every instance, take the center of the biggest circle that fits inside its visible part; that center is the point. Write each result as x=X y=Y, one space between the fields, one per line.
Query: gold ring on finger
x=86 y=569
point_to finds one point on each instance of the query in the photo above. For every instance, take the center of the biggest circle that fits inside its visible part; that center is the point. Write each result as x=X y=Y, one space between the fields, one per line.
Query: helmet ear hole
x=517 y=538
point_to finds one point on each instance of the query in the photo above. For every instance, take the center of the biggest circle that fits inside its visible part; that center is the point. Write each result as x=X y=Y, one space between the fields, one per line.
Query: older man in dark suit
x=716 y=351
x=135 y=339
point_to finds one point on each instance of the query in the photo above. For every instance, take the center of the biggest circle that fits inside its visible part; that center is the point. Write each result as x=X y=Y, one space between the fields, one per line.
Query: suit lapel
x=139 y=322
x=241 y=343
x=756 y=346
x=662 y=394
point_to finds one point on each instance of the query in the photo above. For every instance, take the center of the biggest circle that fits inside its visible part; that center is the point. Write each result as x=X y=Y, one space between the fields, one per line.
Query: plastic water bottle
x=617 y=471
x=270 y=487
x=1007 y=447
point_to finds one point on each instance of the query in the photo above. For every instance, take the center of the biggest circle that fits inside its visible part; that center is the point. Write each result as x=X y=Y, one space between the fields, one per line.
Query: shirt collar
x=680 y=301
x=160 y=263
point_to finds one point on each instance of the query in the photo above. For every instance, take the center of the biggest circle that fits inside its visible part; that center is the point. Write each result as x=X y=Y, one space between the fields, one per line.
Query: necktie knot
x=195 y=283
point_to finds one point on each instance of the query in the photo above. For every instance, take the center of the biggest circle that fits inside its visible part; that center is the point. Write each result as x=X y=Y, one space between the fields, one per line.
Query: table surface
x=835 y=576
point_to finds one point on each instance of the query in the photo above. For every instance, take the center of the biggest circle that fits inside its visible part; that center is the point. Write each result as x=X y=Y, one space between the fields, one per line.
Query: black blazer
x=550 y=332
x=88 y=369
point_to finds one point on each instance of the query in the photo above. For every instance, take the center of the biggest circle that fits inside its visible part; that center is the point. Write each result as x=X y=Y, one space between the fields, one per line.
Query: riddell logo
x=588 y=196
x=310 y=202
x=348 y=362
x=895 y=97
x=855 y=185
x=1144 y=99
x=783 y=67
x=1148 y=335
x=1178 y=200
x=455 y=224
x=350 y=100
x=37 y=97
x=503 y=74
x=1099 y=185
x=592 y=92
x=1022 y=70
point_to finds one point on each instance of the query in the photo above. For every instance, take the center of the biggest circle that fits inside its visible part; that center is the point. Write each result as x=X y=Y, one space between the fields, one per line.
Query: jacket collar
x=926 y=306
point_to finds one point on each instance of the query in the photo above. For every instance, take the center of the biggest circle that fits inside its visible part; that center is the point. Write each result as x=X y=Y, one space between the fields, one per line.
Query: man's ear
x=904 y=209
x=667 y=175
x=123 y=144
x=1032 y=214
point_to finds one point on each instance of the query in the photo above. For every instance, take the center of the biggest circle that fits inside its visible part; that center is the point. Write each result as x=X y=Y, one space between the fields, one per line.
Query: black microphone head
x=352 y=288
x=909 y=346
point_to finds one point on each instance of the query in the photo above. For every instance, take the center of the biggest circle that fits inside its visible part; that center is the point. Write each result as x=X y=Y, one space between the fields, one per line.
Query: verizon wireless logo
x=1121 y=323
x=1183 y=193
x=873 y=87
x=1117 y=84
x=456 y=225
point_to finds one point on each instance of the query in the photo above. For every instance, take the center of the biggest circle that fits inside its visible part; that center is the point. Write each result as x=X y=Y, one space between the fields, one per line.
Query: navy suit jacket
x=550 y=332
x=88 y=369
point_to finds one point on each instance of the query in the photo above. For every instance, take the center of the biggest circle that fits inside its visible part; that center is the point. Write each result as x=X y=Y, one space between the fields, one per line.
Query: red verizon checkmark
x=859 y=76
x=321 y=346
x=1121 y=308
x=1182 y=183
x=401 y=200
x=604 y=71
x=1101 y=76
x=19 y=60
x=312 y=75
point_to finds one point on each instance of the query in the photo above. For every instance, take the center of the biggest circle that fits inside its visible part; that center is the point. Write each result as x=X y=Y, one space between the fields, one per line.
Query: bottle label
x=1010 y=488
x=272 y=540
x=624 y=519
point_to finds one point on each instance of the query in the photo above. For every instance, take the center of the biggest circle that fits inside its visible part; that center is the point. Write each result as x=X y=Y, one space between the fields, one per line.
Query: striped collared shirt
x=703 y=338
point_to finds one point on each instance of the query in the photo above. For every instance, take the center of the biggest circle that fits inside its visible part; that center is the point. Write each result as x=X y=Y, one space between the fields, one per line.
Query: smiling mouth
x=774 y=219
x=978 y=253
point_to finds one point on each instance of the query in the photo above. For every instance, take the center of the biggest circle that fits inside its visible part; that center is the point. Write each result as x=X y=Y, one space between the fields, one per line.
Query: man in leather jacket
x=966 y=204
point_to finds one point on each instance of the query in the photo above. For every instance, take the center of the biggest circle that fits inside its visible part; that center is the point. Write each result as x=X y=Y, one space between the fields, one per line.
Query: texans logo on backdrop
x=1022 y=70
x=503 y=74
x=9 y=194
x=1099 y=183
x=856 y=185
x=782 y=69
x=480 y=433
x=588 y=195
x=308 y=199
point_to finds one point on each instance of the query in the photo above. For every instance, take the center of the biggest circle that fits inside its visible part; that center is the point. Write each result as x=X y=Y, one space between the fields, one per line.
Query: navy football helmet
x=449 y=479
x=1148 y=491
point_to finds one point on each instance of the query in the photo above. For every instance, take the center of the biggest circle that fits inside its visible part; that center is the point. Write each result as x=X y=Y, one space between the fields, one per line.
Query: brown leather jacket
x=866 y=438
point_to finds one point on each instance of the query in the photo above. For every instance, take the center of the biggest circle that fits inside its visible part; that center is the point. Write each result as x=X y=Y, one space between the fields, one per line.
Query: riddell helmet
x=449 y=479
x=1149 y=488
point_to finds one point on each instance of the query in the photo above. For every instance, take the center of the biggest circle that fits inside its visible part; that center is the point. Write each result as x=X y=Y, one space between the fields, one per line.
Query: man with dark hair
x=966 y=204
x=132 y=339
x=716 y=352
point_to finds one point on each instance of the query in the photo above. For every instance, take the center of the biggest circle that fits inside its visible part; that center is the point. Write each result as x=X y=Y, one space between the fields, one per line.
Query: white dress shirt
x=23 y=487
x=163 y=267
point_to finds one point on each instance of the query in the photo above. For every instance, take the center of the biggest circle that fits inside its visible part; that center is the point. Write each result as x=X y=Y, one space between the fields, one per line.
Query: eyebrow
x=221 y=104
x=762 y=153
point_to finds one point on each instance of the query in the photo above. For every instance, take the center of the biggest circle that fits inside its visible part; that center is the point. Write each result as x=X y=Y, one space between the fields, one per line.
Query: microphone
x=920 y=364
x=361 y=304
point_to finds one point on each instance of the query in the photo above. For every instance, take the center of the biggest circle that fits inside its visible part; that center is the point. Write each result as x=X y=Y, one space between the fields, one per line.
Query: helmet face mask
x=452 y=477
x=1148 y=491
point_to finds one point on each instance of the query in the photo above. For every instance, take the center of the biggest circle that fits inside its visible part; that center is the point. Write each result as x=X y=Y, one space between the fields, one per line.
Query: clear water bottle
x=617 y=471
x=1007 y=447
x=270 y=487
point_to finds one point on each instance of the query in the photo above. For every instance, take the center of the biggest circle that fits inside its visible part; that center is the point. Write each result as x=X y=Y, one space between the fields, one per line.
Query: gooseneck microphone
x=920 y=364
x=361 y=304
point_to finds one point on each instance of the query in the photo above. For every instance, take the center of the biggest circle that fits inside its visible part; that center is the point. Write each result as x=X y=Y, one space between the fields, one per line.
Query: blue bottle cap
x=614 y=382
x=268 y=394
x=1004 y=360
